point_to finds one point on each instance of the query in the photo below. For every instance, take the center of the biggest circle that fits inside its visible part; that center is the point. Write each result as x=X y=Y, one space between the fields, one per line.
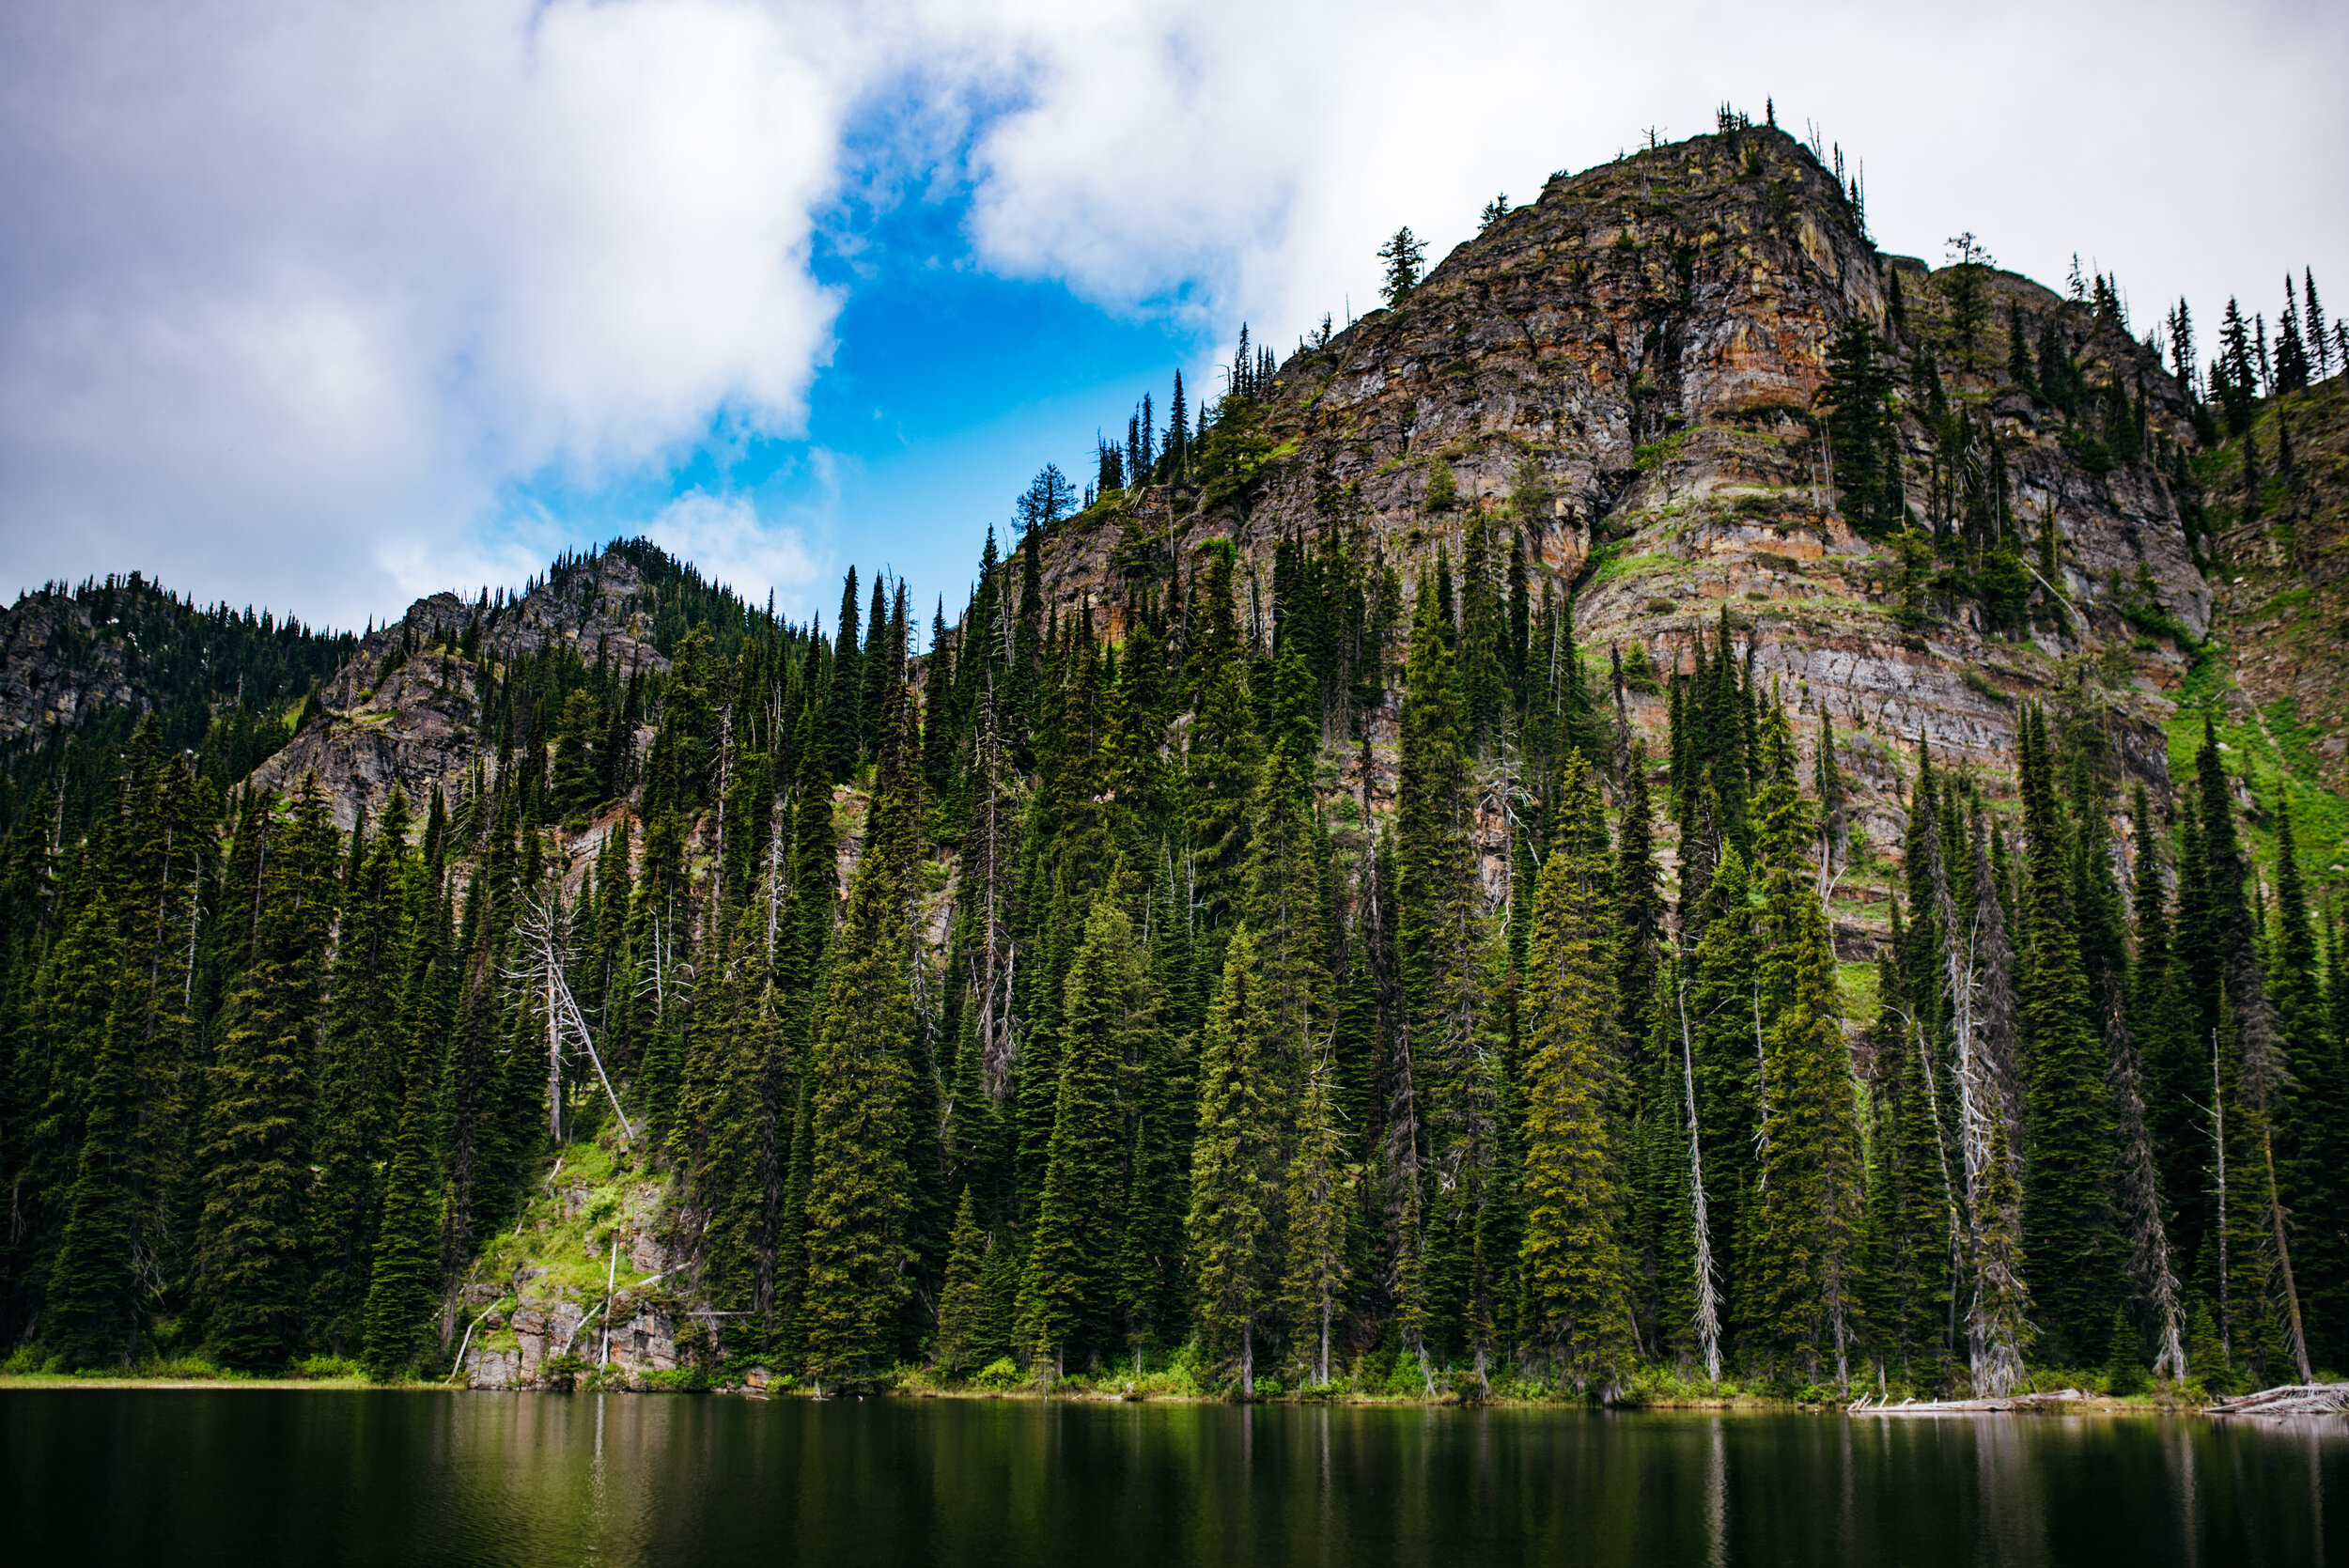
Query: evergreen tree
x=2067 y=1207
x=1236 y=1169
x=859 y=1199
x=1068 y=1298
x=844 y=696
x=1577 y=1311
x=1806 y=1240
x=1400 y=260
x=254 y=1149
x=963 y=1343
x=404 y=1279
x=1317 y=1192
x=359 y=1082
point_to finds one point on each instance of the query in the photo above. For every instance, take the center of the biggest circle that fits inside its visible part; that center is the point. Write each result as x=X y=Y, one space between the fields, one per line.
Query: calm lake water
x=263 y=1476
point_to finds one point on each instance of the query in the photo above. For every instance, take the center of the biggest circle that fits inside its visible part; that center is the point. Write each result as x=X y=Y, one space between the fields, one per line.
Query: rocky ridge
x=57 y=666
x=1648 y=342
x=404 y=709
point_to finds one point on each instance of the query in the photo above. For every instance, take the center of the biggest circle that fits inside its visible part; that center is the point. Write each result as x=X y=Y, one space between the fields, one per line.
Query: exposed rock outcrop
x=57 y=667
x=405 y=708
x=1640 y=352
x=589 y=1275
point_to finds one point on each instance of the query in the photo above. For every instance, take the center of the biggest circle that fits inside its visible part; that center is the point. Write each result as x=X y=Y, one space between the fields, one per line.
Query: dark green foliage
x=254 y=1145
x=2068 y=1109
x=860 y=1203
x=1860 y=430
x=1400 y=261
x=1144 y=1024
x=1069 y=1300
x=360 y=1082
x=1236 y=1169
x=1576 y=1307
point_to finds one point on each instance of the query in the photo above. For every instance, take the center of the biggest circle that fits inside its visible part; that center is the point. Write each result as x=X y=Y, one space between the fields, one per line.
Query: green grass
x=1615 y=568
x=1862 y=998
x=2275 y=757
x=570 y=1256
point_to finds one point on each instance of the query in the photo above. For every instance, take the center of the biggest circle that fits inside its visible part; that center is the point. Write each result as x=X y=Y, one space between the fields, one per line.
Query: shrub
x=1002 y=1372
x=315 y=1368
x=676 y=1380
x=1443 y=490
x=561 y=1372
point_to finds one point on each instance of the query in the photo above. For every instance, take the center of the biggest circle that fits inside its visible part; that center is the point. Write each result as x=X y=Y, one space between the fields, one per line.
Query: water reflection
x=266 y=1476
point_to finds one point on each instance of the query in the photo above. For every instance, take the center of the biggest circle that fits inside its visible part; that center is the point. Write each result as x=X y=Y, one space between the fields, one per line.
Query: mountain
x=408 y=705
x=1629 y=372
x=79 y=666
x=1656 y=815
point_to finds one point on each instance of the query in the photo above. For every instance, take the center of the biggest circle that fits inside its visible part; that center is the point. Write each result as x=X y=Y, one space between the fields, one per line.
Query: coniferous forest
x=1302 y=972
x=1061 y=998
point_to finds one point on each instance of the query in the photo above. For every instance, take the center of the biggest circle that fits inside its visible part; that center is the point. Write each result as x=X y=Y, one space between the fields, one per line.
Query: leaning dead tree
x=1708 y=1317
x=545 y=933
x=1981 y=994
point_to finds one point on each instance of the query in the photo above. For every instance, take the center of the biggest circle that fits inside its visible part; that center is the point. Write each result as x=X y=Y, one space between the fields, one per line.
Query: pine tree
x=113 y=1247
x=359 y=1082
x=1867 y=463
x=844 y=696
x=858 y=1202
x=254 y=1148
x=1230 y=1234
x=1401 y=259
x=1577 y=1311
x=1317 y=1191
x=963 y=1310
x=1068 y=1298
x=2305 y=1116
x=404 y=1277
x=1806 y=1241
x=2069 y=1113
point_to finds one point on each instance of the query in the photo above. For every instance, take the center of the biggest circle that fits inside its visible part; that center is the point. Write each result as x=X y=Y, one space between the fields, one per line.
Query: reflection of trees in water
x=623 y=1479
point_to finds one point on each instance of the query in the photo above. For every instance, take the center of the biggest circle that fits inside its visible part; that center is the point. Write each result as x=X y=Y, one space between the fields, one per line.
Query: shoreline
x=2066 y=1403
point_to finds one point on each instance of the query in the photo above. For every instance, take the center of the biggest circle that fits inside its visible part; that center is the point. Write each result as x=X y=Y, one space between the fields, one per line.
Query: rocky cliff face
x=57 y=666
x=589 y=1274
x=405 y=708
x=1642 y=350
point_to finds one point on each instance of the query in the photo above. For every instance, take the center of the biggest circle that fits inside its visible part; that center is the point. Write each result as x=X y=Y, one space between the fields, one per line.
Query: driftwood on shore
x=2056 y=1400
x=2291 y=1399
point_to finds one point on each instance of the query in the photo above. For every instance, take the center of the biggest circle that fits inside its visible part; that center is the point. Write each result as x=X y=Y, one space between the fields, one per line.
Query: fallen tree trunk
x=2015 y=1403
x=2291 y=1399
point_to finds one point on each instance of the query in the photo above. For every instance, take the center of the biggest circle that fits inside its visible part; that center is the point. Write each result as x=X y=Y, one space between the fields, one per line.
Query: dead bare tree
x=545 y=935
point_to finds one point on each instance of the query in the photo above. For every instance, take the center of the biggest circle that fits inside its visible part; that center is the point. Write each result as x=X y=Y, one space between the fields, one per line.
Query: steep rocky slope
x=2279 y=504
x=1630 y=370
x=406 y=706
x=69 y=656
x=55 y=667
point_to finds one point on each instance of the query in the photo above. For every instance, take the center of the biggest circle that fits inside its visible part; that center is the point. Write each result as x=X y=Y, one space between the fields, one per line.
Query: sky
x=324 y=307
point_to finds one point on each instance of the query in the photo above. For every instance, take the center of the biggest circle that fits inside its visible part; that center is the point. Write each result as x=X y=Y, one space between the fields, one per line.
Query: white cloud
x=295 y=296
x=727 y=539
x=1262 y=150
x=302 y=287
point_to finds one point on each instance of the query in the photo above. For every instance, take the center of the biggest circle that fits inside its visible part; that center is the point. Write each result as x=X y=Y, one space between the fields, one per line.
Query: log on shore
x=2291 y=1399
x=2056 y=1400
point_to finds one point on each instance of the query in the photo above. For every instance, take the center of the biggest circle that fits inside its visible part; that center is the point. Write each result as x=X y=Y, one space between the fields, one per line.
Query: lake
x=278 y=1476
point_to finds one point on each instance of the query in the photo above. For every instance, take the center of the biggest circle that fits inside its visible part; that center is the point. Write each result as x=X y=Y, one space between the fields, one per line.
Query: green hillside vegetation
x=1141 y=1037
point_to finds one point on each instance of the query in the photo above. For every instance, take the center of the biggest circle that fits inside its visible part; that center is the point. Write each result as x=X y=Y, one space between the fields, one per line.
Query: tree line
x=1156 y=1012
